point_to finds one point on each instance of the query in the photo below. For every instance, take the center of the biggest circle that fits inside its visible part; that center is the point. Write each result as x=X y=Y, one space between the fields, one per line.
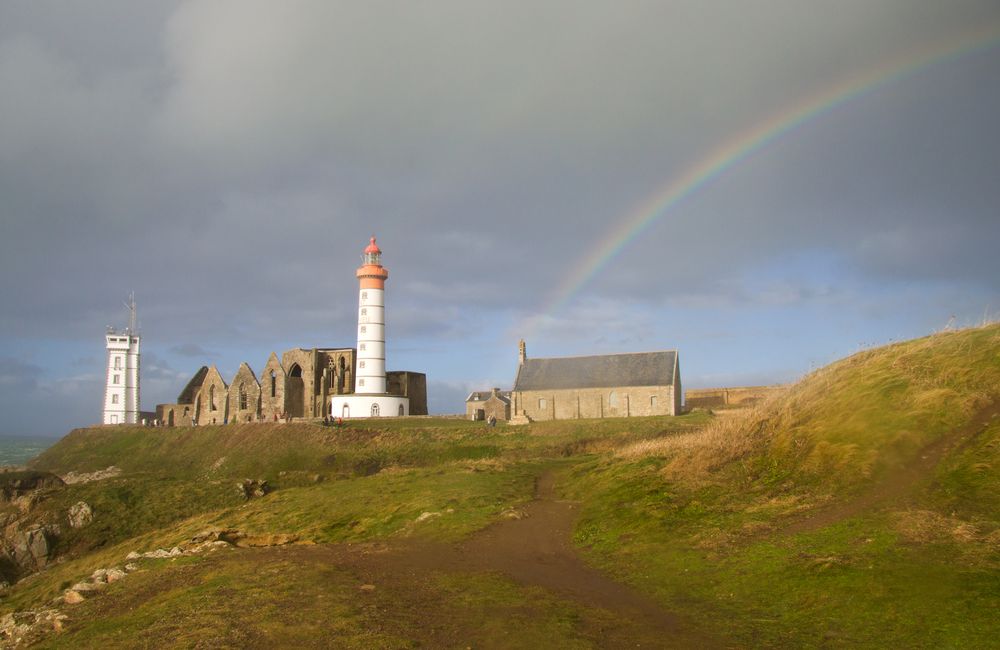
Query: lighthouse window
x=364 y=312
x=114 y=399
x=361 y=382
x=116 y=379
x=118 y=363
x=361 y=364
x=364 y=295
x=363 y=346
x=363 y=329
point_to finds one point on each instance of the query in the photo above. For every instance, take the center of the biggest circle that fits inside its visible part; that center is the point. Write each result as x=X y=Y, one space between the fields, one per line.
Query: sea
x=17 y=450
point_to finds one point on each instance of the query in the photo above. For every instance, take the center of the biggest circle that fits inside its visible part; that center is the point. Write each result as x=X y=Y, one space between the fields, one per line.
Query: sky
x=836 y=166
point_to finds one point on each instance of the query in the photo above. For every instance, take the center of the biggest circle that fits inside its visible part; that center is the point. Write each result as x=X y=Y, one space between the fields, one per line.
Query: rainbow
x=741 y=147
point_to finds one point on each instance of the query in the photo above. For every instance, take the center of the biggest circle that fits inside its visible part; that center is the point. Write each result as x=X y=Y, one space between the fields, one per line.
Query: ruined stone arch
x=295 y=392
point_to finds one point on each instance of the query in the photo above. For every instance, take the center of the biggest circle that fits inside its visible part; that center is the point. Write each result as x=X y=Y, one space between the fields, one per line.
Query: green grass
x=693 y=511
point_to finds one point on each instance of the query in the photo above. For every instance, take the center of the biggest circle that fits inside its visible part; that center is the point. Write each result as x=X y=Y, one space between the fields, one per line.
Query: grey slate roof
x=482 y=396
x=604 y=371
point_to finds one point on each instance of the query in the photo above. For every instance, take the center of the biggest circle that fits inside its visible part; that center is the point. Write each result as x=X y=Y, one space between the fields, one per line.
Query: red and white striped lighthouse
x=371 y=322
x=370 y=398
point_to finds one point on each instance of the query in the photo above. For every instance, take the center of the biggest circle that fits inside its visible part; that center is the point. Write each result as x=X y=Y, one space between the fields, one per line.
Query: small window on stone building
x=652 y=401
x=114 y=399
x=613 y=400
x=542 y=403
x=273 y=388
x=116 y=379
x=211 y=398
x=243 y=397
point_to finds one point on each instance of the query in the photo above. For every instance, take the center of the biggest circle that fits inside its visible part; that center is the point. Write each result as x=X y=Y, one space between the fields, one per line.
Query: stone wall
x=570 y=404
x=244 y=396
x=272 y=390
x=728 y=397
x=409 y=384
x=212 y=402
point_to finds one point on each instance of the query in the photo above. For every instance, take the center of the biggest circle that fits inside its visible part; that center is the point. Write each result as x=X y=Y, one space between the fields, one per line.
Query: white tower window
x=116 y=379
x=118 y=363
x=114 y=399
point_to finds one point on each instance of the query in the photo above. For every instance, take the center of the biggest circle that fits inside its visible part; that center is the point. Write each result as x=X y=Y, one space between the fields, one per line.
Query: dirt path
x=904 y=482
x=534 y=551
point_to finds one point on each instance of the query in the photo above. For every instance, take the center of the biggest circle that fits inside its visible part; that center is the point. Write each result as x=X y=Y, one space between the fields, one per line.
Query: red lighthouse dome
x=372 y=247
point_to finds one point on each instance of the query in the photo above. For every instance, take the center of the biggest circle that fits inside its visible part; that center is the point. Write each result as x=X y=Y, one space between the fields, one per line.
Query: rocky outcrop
x=80 y=514
x=99 y=475
x=250 y=488
x=30 y=549
x=21 y=629
x=19 y=483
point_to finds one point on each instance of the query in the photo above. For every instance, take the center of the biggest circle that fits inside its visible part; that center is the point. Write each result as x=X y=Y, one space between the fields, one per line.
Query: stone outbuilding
x=482 y=405
x=602 y=386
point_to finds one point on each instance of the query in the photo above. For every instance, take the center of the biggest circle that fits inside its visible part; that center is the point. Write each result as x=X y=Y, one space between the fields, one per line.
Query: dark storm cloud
x=227 y=160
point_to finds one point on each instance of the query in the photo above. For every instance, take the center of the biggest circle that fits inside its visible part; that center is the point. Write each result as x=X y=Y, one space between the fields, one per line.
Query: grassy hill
x=859 y=508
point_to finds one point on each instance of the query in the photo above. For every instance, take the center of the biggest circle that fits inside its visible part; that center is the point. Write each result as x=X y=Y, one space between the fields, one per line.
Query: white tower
x=370 y=398
x=371 y=322
x=121 y=393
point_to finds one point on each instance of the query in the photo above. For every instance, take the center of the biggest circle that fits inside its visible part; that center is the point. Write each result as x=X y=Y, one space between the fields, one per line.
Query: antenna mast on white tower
x=121 y=393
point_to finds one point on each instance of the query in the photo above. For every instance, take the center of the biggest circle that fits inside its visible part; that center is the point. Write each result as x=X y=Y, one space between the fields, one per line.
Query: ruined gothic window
x=114 y=399
x=211 y=398
x=116 y=379
x=243 y=397
x=272 y=384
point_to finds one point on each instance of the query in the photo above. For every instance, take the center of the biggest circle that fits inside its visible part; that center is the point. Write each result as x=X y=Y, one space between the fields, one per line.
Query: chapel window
x=243 y=397
x=272 y=384
x=211 y=398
